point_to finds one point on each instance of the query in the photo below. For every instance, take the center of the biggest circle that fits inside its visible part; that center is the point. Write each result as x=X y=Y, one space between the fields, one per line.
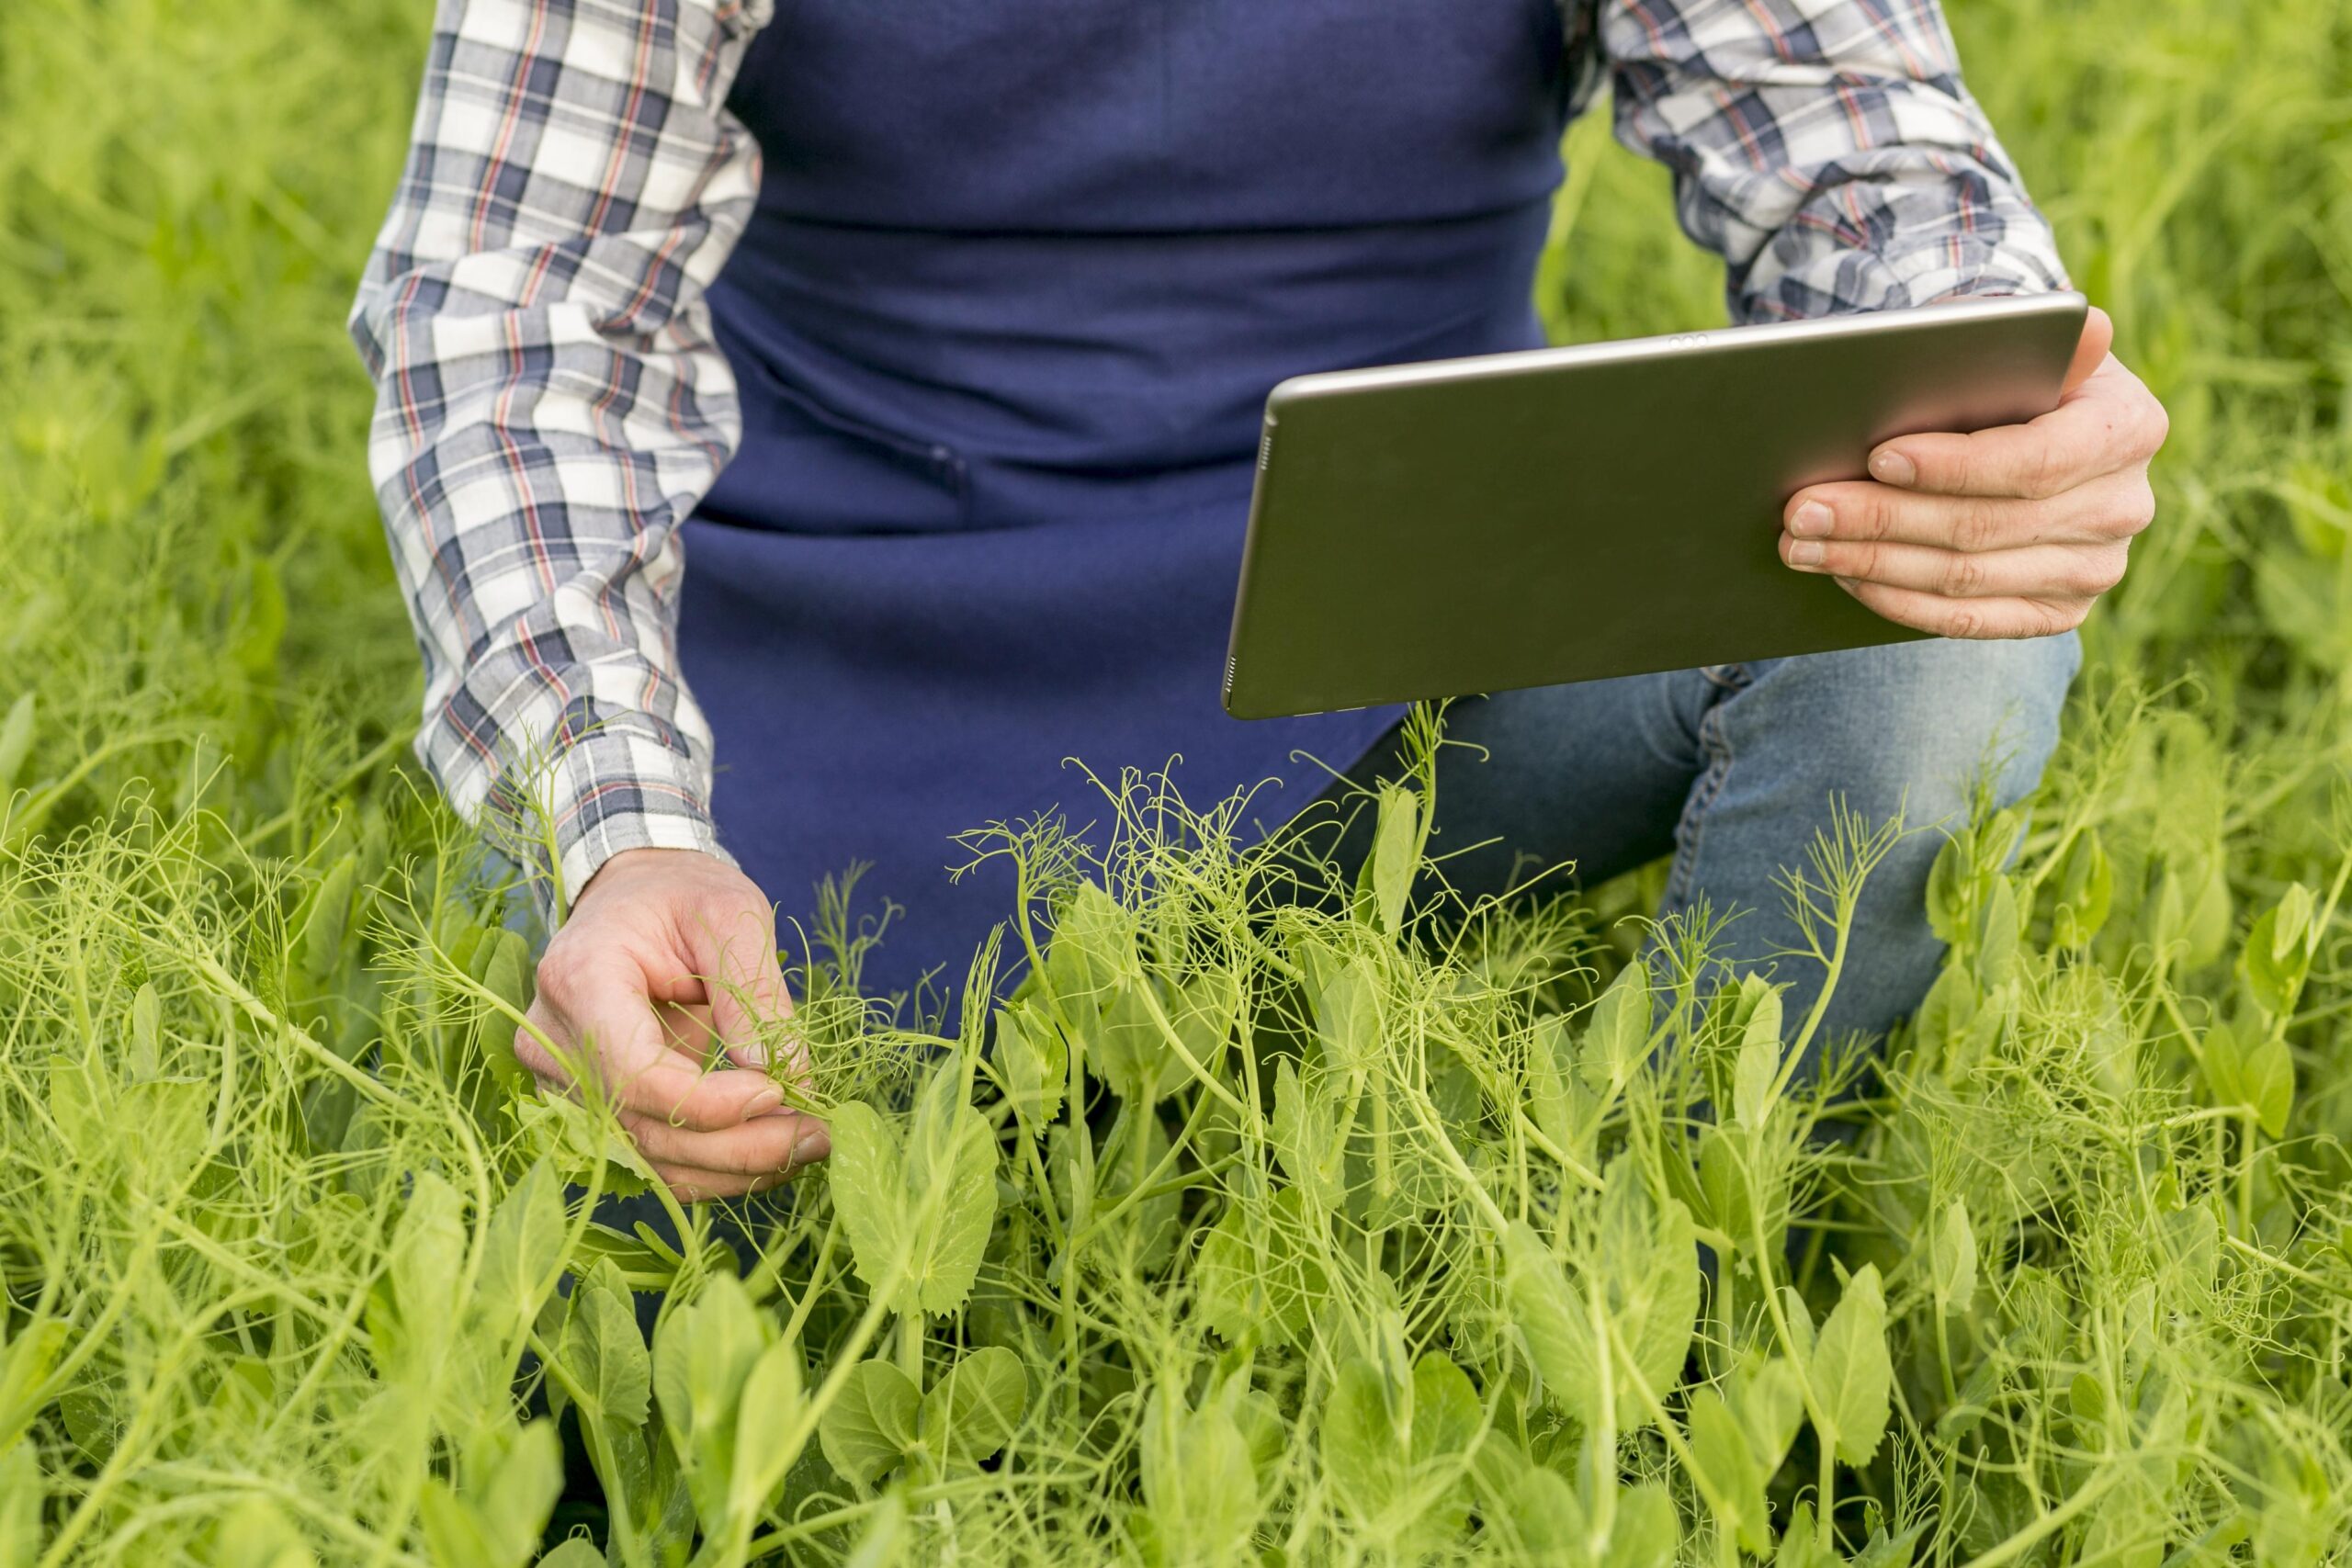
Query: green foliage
x=1366 y=1232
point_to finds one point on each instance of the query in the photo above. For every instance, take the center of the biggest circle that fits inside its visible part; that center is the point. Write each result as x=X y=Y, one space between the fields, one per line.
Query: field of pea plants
x=1371 y=1229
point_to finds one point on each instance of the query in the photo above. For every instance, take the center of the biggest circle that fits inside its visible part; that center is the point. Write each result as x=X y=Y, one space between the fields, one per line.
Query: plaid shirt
x=550 y=404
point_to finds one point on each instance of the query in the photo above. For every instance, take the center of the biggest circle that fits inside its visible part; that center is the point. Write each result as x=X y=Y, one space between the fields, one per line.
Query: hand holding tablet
x=1566 y=514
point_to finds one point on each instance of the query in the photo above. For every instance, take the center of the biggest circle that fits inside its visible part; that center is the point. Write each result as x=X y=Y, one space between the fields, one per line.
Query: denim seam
x=1694 y=809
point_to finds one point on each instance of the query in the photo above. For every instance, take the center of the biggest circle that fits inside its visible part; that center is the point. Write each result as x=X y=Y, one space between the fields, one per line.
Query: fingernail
x=1811 y=522
x=809 y=1146
x=1845 y=582
x=767 y=1100
x=1804 y=552
x=1892 y=468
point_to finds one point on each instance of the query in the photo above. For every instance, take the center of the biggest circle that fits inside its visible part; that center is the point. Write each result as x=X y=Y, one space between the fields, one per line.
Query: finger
x=2112 y=507
x=686 y=1027
x=2107 y=423
x=691 y=1185
x=1969 y=618
x=762 y=1146
x=605 y=1007
x=2091 y=348
x=732 y=948
x=2051 y=571
x=537 y=1041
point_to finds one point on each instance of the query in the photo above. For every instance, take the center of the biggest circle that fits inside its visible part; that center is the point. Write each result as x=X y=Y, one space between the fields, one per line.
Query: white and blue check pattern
x=550 y=404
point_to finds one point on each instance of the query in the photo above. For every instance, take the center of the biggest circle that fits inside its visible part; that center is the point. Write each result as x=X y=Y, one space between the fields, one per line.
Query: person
x=933 y=337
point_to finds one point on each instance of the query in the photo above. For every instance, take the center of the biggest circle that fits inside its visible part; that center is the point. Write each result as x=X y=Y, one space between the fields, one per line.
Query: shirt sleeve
x=1827 y=149
x=551 y=404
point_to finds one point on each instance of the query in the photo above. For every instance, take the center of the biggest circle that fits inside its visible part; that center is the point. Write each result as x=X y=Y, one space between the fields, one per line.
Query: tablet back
x=1565 y=514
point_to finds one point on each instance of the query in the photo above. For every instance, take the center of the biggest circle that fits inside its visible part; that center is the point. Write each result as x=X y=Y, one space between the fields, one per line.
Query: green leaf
x=766 y=1416
x=1770 y=1402
x=1951 y=1258
x=1307 y=1142
x=507 y=975
x=1997 y=938
x=1347 y=1018
x=1199 y=1481
x=868 y=1178
x=454 y=1532
x=1852 y=1375
x=1253 y=1279
x=1552 y=1102
x=329 y=919
x=1616 y=1031
x=870 y=1425
x=21 y=1495
x=2086 y=891
x=522 y=1491
x=604 y=1353
x=1728 y=1474
x=1649 y=1532
x=1949 y=883
x=1950 y=1006
x=15 y=741
x=1547 y=1517
x=1801 y=1544
x=2278 y=953
x=146 y=1035
x=1036 y=1060
x=428 y=1263
x=2222 y=1060
x=1130 y=1050
x=1396 y=853
x=1361 y=1454
x=971 y=1412
x=2268 y=1076
x=1758 y=1064
x=918 y=1221
x=704 y=1353
x=521 y=1247
x=1644 y=1274
x=2293 y=924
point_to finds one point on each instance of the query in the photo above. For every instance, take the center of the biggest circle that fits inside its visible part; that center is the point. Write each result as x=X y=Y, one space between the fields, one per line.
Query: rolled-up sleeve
x=1827 y=149
x=551 y=404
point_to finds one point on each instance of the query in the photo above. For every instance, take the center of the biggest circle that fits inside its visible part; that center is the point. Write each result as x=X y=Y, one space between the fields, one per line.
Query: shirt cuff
x=614 y=790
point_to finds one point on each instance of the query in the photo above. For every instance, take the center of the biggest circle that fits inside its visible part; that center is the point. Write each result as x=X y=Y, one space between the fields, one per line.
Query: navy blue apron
x=1020 y=276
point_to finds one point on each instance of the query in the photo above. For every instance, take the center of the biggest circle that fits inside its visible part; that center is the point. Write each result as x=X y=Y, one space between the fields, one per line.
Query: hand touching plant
x=2008 y=533
x=670 y=955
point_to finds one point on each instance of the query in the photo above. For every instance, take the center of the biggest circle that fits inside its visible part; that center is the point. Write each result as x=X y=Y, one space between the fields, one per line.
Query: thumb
x=2091 y=352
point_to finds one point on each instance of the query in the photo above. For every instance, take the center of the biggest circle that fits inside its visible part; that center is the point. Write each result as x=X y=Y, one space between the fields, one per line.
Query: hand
x=2008 y=533
x=670 y=954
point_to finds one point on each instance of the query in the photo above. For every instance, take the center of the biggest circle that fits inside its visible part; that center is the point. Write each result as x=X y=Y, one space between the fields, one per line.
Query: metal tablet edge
x=1861 y=324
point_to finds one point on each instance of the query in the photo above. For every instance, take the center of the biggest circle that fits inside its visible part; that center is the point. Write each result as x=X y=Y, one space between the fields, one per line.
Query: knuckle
x=1971 y=526
x=2104 y=570
x=1963 y=622
x=562 y=969
x=2044 y=473
x=535 y=1060
x=1874 y=513
x=1963 y=575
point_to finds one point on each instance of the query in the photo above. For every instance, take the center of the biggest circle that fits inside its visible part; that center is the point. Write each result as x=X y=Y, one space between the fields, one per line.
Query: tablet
x=1469 y=526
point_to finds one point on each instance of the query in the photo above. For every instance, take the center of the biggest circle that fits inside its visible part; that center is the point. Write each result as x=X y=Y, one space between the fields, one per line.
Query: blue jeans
x=1732 y=769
